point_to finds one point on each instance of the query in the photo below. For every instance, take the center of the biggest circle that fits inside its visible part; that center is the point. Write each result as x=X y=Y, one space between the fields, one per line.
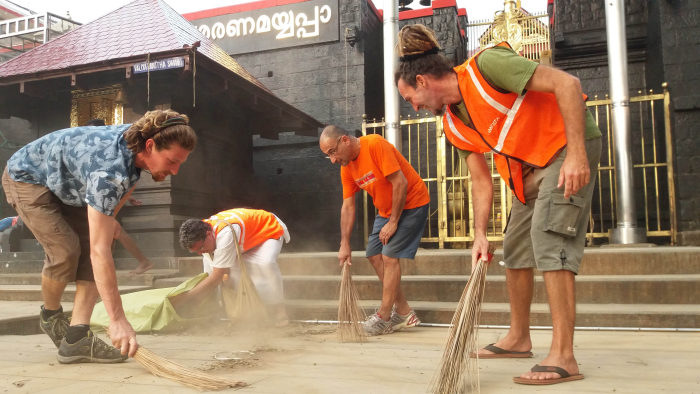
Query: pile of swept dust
x=254 y=357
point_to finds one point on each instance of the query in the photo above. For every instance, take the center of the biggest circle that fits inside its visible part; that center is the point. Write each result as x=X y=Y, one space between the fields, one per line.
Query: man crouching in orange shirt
x=372 y=164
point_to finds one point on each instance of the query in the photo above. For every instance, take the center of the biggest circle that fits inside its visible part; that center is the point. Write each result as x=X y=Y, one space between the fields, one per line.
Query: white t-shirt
x=224 y=256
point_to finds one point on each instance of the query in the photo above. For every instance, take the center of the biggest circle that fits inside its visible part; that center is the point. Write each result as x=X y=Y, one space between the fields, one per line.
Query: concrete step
x=596 y=261
x=172 y=281
x=625 y=287
x=19 y=266
x=643 y=289
x=587 y=315
x=30 y=244
x=33 y=292
x=27 y=262
x=21 y=256
x=22 y=317
x=659 y=291
x=123 y=277
x=189 y=266
x=129 y=263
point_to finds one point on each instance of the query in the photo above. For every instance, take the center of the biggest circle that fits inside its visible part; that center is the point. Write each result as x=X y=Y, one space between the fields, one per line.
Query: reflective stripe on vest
x=455 y=131
x=257 y=226
x=506 y=123
x=495 y=104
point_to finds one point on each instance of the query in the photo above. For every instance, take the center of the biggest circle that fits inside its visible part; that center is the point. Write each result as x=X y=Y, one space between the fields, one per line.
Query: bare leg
x=130 y=245
x=52 y=291
x=388 y=267
x=85 y=298
x=520 y=284
x=400 y=301
x=562 y=303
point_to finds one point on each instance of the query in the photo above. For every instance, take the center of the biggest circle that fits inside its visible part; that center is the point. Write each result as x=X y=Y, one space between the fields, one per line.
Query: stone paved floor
x=309 y=359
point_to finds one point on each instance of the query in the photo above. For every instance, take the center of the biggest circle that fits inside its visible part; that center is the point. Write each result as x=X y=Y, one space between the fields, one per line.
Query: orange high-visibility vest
x=257 y=226
x=520 y=129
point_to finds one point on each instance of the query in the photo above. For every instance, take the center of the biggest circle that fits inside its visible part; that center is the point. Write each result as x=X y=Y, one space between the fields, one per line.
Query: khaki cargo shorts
x=550 y=231
x=61 y=229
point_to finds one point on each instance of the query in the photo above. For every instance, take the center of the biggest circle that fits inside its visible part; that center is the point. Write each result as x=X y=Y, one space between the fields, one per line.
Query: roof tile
x=122 y=33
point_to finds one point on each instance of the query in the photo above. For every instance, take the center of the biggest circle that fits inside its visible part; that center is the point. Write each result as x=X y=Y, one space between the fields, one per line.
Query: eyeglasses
x=332 y=152
x=197 y=247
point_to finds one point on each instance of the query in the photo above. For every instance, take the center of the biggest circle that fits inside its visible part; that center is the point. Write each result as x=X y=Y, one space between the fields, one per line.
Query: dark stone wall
x=26 y=119
x=662 y=42
x=336 y=83
x=580 y=43
x=327 y=80
x=217 y=175
x=303 y=189
x=300 y=184
x=679 y=32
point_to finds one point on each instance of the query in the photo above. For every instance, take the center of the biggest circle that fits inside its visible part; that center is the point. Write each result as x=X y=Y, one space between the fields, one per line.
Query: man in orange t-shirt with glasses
x=371 y=163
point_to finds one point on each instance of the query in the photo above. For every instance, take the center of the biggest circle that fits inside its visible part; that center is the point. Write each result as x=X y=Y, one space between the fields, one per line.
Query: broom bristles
x=160 y=366
x=349 y=313
x=243 y=304
x=458 y=372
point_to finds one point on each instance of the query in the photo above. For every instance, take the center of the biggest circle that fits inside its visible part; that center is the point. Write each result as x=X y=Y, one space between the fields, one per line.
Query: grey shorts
x=61 y=229
x=549 y=232
x=404 y=243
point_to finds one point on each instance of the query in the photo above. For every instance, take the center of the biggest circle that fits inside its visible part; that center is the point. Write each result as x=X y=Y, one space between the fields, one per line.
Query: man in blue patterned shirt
x=67 y=187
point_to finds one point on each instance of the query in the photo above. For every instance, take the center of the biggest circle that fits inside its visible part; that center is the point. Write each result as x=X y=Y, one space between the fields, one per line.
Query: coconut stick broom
x=243 y=304
x=459 y=373
x=349 y=313
x=160 y=366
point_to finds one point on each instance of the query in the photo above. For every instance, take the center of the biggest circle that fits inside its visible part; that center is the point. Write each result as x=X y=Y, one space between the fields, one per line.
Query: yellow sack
x=151 y=310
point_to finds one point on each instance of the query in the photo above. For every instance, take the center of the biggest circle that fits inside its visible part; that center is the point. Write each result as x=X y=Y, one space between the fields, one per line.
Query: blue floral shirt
x=81 y=166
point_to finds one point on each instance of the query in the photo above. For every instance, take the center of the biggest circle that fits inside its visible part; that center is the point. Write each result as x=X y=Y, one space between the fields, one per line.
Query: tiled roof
x=136 y=29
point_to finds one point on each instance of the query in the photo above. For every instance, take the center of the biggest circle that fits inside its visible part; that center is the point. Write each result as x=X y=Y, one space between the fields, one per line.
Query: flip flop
x=564 y=376
x=501 y=353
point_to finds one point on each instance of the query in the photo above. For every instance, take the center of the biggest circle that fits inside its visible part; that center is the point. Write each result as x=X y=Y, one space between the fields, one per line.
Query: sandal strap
x=548 y=368
x=497 y=350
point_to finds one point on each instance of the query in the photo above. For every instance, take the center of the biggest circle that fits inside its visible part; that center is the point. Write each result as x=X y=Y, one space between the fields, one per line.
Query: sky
x=85 y=11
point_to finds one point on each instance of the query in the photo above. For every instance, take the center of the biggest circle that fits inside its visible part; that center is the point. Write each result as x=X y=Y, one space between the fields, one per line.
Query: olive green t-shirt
x=505 y=69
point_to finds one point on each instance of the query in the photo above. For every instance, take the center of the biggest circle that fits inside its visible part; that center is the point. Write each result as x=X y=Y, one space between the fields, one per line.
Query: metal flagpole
x=626 y=231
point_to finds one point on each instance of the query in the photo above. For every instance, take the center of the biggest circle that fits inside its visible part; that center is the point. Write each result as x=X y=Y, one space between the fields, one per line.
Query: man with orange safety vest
x=546 y=146
x=259 y=235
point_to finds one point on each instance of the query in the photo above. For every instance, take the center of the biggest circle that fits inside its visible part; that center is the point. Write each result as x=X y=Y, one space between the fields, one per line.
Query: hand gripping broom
x=349 y=313
x=243 y=304
x=458 y=372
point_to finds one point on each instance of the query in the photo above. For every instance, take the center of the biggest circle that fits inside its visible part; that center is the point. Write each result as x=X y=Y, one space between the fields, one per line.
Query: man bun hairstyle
x=418 y=51
x=193 y=231
x=164 y=127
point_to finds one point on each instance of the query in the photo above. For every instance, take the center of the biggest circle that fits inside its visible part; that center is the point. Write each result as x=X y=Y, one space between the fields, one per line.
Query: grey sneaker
x=88 y=350
x=55 y=327
x=399 y=322
x=375 y=325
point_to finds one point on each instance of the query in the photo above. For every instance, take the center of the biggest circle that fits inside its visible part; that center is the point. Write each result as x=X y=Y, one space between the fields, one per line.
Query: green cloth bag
x=150 y=310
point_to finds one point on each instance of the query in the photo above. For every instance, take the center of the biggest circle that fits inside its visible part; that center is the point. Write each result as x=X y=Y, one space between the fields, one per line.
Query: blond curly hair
x=164 y=127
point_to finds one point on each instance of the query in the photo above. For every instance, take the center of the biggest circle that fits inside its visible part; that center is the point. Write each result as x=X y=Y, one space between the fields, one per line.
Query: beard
x=159 y=176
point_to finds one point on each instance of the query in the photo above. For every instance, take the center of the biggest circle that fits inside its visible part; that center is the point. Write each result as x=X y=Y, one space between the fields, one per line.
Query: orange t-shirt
x=378 y=159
